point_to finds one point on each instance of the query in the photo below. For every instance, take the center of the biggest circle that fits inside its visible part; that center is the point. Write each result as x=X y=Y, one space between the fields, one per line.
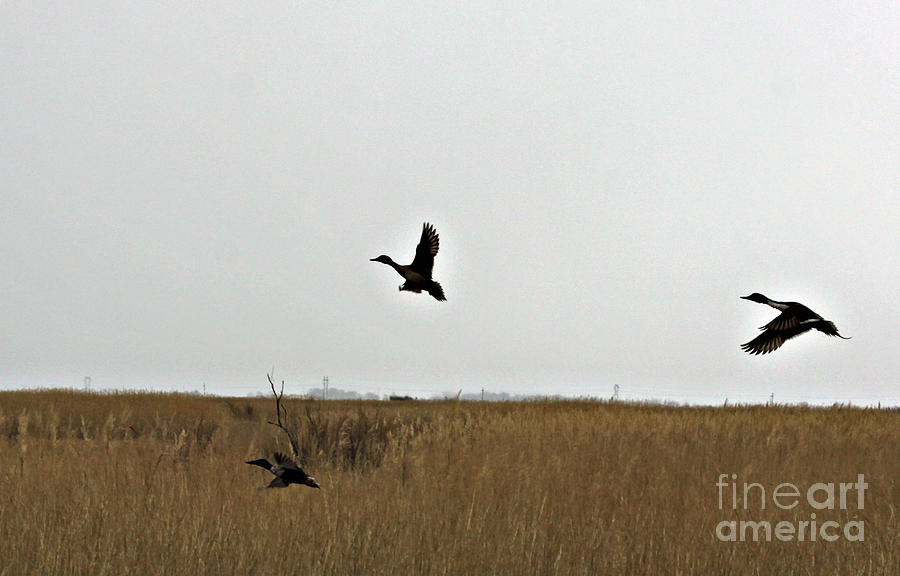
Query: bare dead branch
x=281 y=415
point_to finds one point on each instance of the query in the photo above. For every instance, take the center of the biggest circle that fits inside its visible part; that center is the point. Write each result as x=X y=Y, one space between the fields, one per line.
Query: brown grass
x=156 y=484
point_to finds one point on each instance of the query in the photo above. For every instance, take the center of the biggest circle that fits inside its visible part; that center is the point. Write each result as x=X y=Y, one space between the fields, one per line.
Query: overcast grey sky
x=191 y=193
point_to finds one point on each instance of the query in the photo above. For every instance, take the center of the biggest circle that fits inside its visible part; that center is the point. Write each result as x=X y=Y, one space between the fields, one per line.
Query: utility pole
x=482 y=394
x=325 y=387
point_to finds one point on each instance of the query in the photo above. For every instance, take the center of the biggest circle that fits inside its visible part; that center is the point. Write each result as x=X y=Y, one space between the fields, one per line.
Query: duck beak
x=745 y=297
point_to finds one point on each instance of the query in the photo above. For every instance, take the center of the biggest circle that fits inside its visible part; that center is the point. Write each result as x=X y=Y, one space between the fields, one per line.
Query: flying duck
x=795 y=319
x=418 y=274
x=286 y=472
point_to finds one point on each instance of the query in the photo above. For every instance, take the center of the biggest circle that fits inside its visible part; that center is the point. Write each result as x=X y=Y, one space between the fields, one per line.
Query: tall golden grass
x=156 y=484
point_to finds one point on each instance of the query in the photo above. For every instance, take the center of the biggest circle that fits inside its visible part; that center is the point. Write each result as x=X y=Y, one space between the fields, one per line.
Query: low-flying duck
x=795 y=319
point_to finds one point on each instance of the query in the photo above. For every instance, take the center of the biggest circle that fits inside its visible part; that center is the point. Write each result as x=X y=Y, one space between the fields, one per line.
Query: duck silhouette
x=417 y=275
x=286 y=472
x=795 y=319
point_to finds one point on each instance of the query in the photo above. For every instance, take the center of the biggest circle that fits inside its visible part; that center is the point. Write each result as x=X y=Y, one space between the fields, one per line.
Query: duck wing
x=768 y=341
x=285 y=463
x=793 y=316
x=277 y=482
x=787 y=320
x=428 y=247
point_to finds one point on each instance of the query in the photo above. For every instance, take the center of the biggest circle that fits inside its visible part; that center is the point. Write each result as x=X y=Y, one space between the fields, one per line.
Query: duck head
x=310 y=481
x=383 y=259
x=756 y=297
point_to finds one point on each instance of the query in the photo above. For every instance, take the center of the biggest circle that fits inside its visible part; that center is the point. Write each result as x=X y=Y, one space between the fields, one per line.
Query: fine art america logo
x=787 y=496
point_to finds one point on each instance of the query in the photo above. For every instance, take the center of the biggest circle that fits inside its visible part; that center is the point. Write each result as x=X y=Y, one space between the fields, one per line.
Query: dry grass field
x=156 y=484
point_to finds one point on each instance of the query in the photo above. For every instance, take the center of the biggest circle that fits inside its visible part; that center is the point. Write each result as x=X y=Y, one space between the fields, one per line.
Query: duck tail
x=435 y=290
x=830 y=329
x=262 y=463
